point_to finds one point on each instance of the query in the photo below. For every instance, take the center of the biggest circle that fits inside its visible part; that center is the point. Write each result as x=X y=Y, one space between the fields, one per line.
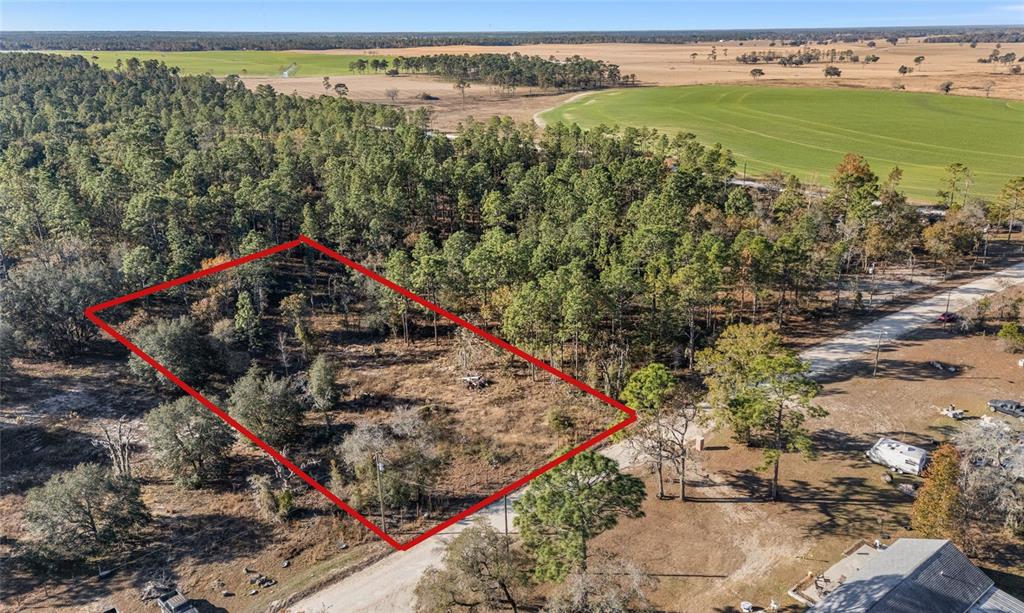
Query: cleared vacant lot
x=244 y=63
x=806 y=131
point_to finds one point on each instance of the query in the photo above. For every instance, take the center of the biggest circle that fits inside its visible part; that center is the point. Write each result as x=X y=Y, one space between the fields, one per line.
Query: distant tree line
x=509 y=71
x=281 y=41
x=988 y=35
x=804 y=56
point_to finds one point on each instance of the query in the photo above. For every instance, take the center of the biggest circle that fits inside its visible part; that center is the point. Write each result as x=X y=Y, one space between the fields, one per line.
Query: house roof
x=998 y=601
x=914 y=576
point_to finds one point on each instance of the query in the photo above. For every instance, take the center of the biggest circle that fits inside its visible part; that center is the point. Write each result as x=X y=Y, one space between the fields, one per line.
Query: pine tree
x=247 y=321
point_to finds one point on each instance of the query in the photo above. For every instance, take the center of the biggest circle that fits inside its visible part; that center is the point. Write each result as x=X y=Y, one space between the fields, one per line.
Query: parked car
x=948 y=318
x=897 y=456
x=1008 y=407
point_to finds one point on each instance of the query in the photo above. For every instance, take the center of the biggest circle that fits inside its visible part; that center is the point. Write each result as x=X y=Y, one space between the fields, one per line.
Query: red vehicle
x=948 y=318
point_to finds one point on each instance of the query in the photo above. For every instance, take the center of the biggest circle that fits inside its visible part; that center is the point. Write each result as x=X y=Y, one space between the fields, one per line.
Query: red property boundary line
x=91 y=314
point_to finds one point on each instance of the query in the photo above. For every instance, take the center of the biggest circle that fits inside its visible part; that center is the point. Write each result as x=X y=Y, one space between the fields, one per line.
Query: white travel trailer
x=898 y=456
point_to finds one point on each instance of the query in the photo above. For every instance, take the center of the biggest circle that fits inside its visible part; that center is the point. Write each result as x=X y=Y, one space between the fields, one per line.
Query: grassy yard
x=242 y=63
x=806 y=131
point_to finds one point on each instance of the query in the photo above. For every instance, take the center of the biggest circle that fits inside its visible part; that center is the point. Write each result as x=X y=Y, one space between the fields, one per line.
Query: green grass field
x=806 y=131
x=242 y=63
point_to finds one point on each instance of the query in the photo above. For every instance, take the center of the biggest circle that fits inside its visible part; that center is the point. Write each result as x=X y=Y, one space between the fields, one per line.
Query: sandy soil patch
x=447 y=111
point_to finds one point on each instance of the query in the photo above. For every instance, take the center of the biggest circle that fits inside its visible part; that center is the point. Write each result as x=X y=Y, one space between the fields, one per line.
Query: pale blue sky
x=495 y=15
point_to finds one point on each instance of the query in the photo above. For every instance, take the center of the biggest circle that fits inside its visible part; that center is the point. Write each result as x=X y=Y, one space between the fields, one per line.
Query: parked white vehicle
x=898 y=456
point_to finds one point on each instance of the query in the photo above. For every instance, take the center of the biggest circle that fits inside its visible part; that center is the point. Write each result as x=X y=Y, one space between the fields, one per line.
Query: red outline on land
x=91 y=314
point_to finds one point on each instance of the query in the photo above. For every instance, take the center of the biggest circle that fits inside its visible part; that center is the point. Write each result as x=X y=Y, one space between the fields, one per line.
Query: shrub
x=938 y=511
x=45 y=294
x=189 y=441
x=322 y=386
x=247 y=320
x=480 y=565
x=410 y=462
x=224 y=332
x=179 y=345
x=271 y=503
x=7 y=348
x=1011 y=337
x=561 y=422
x=85 y=512
x=268 y=406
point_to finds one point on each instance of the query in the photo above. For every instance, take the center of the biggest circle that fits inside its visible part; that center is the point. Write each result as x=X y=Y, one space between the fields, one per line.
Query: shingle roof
x=911 y=576
x=998 y=601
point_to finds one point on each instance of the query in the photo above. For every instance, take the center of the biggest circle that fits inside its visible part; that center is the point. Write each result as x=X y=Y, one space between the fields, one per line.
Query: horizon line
x=439 y=32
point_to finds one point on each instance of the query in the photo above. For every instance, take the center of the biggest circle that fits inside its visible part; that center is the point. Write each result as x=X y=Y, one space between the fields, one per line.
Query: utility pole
x=505 y=501
x=380 y=487
x=878 y=349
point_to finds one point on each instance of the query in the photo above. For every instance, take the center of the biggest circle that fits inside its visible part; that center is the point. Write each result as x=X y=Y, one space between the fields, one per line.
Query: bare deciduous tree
x=993 y=473
x=284 y=353
x=613 y=585
x=662 y=438
x=119 y=444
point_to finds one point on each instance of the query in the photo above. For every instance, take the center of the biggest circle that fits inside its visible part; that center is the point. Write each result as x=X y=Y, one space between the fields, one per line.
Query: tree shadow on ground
x=65 y=586
x=174 y=541
x=996 y=547
x=1008 y=582
x=380 y=402
x=912 y=438
x=848 y=504
x=318 y=435
x=892 y=368
x=32 y=453
x=836 y=444
x=416 y=354
x=182 y=541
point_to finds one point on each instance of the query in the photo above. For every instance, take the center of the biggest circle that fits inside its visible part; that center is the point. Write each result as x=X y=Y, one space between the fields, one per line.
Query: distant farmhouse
x=916 y=576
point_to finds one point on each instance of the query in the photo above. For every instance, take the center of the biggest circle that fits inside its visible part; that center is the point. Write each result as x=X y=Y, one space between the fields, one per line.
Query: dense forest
x=205 y=41
x=627 y=245
x=509 y=71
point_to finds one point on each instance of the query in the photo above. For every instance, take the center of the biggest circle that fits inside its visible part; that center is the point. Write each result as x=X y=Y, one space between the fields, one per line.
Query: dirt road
x=387 y=586
x=861 y=343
